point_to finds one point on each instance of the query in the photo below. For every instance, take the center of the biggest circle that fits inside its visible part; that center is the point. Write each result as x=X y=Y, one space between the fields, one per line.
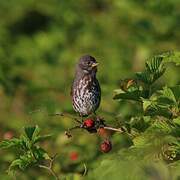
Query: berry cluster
x=97 y=125
x=89 y=124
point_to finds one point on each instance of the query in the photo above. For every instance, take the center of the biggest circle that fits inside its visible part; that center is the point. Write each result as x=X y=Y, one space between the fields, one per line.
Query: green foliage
x=163 y=102
x=154 y=70
x=118 y=168
x=29 y=153
x=155 y=133
x=41 y=42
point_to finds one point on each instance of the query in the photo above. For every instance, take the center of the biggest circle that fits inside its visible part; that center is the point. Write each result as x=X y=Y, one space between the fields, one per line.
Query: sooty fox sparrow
x=85 y=91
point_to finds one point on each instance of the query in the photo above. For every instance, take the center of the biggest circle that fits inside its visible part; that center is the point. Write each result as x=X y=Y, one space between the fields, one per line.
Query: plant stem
x=66 y=115
x=50 y=170
x=113 y=129
x=50 y=167
x=85 y=170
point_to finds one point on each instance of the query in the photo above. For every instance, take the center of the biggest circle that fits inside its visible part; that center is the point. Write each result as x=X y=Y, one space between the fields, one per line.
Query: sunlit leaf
x=10 y=143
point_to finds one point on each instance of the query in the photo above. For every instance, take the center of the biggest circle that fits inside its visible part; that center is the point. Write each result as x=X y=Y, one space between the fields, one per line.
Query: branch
x=50 y=170
x=66 y=115
x=114 y=129
x=50 y=167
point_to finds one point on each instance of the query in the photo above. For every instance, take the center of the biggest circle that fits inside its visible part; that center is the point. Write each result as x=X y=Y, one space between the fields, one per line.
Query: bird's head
x=88 y=64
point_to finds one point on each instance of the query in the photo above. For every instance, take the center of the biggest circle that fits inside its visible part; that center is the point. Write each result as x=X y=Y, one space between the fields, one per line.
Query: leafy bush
x=152 y=148
x=40 y=42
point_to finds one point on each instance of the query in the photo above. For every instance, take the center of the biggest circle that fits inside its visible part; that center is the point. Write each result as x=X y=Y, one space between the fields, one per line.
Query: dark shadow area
x=31 y=23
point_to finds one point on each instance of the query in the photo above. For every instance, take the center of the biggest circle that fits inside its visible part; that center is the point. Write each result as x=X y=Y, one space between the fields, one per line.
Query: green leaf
x=116 y=168
x=176 y=92
x=32 y=132
x=168 y=94
x=144 y=77
x=177 y=121
x=154 y=70
x=173 y=57
x=26 y=161
x=146 y=103
x=162 y=103
x=155 y=65
x=155 y=110
x=15 y=163
x=23 y=162
x=40 y=153
x=25 y=142
x=134 y=95
x=160 y=126
x=128 y=85
x=36 y=133
x=29 y=131
x=10 y=143
x=152 y=108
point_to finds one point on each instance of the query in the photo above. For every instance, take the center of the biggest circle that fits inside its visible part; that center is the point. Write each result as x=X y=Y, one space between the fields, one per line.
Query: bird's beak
x=94 y=65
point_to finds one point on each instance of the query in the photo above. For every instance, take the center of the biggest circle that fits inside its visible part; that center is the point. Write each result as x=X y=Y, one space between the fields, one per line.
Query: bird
x=85 y=90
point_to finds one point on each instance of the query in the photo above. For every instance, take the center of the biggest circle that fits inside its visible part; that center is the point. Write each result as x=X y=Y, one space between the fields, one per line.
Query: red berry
x=8 y=135
x=106 y=146
x=103 y=132
x=89 y=123
x=74 y=156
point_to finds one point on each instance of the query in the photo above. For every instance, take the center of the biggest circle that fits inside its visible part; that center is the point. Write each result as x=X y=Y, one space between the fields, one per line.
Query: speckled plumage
x=85 y=91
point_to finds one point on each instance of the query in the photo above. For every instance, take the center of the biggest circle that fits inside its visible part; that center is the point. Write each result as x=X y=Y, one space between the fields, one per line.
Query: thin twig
x=66 y=115
x=50 y=167
x=68 y=134
x=118 y=130
x=50 y=170
x=113 y=129
x=35 y=111
x=85 y=169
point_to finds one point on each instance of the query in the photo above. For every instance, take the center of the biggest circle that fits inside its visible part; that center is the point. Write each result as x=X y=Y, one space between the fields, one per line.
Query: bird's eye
x=89 y=63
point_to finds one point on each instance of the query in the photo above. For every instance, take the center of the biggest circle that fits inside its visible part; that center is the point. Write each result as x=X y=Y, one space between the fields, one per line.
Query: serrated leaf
x=144 y=77
x=162 y=103
x=154 y=70
x=23 y=162
x=160 y=126
x=40 y=153
x=26 y=160
x=36 y=133
x=10 y=143
x=140 y=141
x=15 y=163
x=158 y=111
x=152 y=108
x=29 y=131
x=177 y=121
x=146 y=103
x=25 y=142
x=155 y=65
x=173 y=57
x=32 y=132
x=167 y=93
x=176 y=92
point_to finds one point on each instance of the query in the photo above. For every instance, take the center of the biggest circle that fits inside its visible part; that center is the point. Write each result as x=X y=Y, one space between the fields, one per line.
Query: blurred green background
x=40 y=44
